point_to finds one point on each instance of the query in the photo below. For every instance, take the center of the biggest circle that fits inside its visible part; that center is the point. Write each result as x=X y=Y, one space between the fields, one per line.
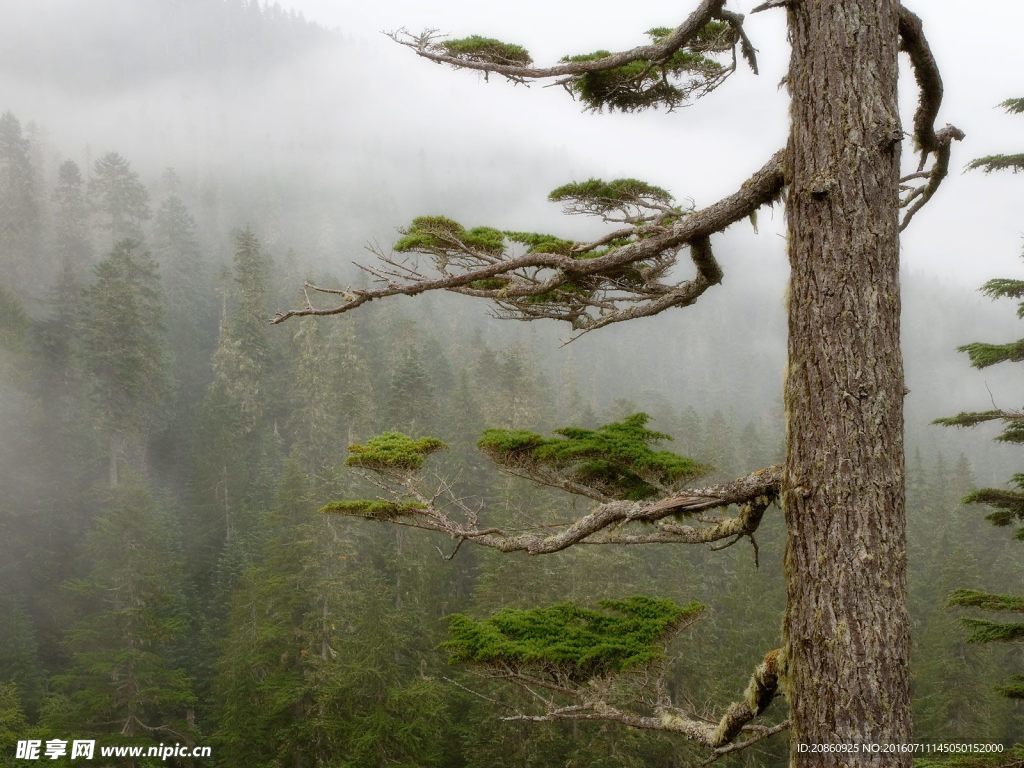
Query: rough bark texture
x=846 y=627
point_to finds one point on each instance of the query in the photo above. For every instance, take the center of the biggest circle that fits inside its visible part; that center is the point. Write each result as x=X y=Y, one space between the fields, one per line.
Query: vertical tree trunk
x=846 y=627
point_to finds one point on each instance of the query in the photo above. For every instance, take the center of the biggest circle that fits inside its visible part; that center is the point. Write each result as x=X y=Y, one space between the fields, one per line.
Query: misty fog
x=306 y=124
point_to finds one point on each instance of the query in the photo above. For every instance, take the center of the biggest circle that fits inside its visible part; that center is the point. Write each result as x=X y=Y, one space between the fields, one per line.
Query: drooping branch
x=589 y=284
x=929 y=141
x=632 y=79
x=753 y=492
x=590 y=704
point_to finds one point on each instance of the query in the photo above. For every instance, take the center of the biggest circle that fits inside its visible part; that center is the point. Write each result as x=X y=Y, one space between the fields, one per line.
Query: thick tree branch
x=425 y=45
x=563 y=286
x=927 y=139
x=719 y=735
x=753 y=492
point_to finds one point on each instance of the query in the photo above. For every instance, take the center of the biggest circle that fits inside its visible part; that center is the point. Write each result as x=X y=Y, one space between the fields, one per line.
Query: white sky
x=971 y=231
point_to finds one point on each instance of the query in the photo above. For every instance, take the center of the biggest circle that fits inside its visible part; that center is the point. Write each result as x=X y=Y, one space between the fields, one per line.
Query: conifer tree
x=1007 y=504
x=19 y=660
x=191 y=320
x=13 y=723
x=19 y=204
x=118 y=197
x=71 y=220
x=238 y=407
x=842 y=485
x=124 y=679
x=123 y=349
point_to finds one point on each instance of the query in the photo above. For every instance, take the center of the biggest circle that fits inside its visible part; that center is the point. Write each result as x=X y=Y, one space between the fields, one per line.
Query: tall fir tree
x=20 y=212
x=122 y=350
x=126 y=680
x=118 y=197
x=1007 y=505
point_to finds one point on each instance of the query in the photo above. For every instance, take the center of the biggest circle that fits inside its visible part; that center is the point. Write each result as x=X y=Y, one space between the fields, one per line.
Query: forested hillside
x=166 y=574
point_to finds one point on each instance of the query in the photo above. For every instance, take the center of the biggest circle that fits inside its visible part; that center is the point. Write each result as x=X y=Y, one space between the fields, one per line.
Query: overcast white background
x=971 y=231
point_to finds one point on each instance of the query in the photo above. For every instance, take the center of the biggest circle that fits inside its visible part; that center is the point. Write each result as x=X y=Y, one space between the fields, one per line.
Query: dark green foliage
x=969 y=419
x=643 y=84
x=1013 y=689
x=1014 y=162
x=242 y=356
x=393 y=451
x=19 y=206
x=1013 y=106
x=19 y=661
x=616 y=458
x=983 y=631
x=119 y=197
x=486 y=50
x=123 y=674
x=991 y=163
x=983 y=355
x=13 y=723
x=577 y=642
x=1007 y=505
x=374 y=509
x=122 y=337
x=987 y=601
x=1011 y=758
x=1013 y=424
x=71 y=220
x=1006 y=288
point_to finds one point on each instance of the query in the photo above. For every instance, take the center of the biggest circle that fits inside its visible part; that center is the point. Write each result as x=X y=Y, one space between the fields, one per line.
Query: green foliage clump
x=486 y=50
x=568 y=639
x=983 y=355
x=541 y=243
x=991 y=163
x=439 y=233
x=1008 y=505
x=490 y=284
x=616 y=458
x=974 y=599
x=393 y=451
x=1014 y=756
x=604 y=196
x=1014 y=162
x=642 y=84
x=984 y=631
x=374 y=509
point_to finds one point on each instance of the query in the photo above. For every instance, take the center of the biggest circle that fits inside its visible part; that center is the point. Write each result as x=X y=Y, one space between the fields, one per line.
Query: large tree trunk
x=846 y=627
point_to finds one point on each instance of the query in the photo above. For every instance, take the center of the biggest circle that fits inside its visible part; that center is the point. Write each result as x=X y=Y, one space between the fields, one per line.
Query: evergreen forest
x=168 y=570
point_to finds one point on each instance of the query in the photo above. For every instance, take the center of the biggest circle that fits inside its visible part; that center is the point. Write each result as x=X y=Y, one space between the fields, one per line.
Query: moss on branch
x=393 y=451
x=644 y=83
x=373 y=509
x=486 y=50
x=609 y=195
x=574 y=641
x=617 y=458
x=439 y=233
